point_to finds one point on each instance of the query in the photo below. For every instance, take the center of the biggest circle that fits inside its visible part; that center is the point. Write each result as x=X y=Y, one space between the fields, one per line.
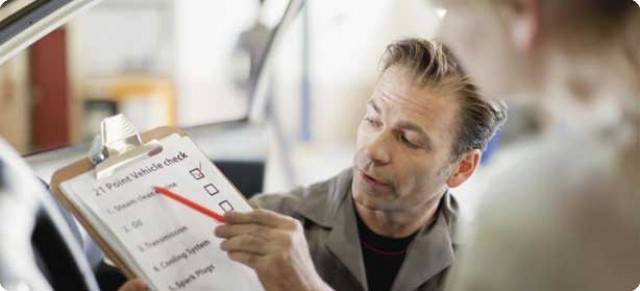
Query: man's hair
x=431 y=64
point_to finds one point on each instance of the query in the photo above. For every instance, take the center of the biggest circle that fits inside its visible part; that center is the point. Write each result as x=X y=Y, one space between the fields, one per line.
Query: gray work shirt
x=327 y=213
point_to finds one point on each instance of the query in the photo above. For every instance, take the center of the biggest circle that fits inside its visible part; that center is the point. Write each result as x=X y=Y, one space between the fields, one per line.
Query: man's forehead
x=406 y=97
x=397 y=91
x=428 y=108
x=411 y=114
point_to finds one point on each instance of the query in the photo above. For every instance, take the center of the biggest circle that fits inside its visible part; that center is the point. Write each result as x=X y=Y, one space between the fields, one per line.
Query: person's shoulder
x=551 y=195
x=555 y=164
x=319 y=194
x=557 y=177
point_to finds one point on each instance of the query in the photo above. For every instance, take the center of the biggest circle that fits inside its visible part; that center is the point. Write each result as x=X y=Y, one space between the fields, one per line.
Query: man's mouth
x=372 y=180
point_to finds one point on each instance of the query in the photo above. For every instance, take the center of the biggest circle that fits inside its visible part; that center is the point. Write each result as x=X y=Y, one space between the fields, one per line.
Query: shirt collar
x=429 y=254
x=323 y=201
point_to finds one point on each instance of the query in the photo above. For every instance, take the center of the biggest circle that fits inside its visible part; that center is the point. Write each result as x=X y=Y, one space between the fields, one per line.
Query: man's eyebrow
x=407 y=125
x=373 y=105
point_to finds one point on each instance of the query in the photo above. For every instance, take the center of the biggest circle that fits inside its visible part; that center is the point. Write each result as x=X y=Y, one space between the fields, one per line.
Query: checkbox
x=225 y=206
x=196 y=173
x=211 y=189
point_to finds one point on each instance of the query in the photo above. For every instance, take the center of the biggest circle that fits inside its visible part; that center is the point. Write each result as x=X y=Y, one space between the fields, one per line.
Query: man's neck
x=399 y=223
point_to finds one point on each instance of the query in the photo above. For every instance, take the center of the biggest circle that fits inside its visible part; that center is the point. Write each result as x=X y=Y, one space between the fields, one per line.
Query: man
x=388 y=222
x=563 y=212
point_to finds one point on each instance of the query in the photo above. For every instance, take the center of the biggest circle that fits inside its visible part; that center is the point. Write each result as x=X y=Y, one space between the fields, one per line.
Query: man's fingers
x=231 y=230
x=247 y=259
x=245 y=243
x=258 y=216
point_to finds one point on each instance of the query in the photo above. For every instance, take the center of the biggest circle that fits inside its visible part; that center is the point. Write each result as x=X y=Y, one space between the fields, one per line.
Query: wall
x=347 y=39
x=15 y=103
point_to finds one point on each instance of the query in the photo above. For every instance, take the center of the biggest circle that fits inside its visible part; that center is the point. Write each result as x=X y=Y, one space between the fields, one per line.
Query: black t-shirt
x=383 y=256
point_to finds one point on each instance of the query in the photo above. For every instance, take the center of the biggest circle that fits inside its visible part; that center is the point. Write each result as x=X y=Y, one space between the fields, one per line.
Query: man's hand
x=274 y=246
x=134 y=285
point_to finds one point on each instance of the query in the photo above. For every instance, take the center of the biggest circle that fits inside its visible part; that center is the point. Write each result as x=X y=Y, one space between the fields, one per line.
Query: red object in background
x=50 y=84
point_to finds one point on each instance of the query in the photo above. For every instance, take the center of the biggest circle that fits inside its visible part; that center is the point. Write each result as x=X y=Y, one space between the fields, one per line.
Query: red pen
x=186 y=202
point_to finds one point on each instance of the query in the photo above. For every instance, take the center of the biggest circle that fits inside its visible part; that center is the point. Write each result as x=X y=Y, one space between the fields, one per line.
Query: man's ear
x=524 y=19
x=464 y=168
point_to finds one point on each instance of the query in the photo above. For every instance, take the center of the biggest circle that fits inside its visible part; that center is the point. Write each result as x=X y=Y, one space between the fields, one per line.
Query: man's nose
x=378 y=150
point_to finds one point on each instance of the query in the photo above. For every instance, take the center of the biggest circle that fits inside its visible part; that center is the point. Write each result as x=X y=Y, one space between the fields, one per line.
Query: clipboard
x=169 y=244
x=130 y=142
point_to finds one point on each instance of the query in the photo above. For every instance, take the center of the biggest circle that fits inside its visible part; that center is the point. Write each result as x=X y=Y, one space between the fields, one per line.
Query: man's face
x=404 y=145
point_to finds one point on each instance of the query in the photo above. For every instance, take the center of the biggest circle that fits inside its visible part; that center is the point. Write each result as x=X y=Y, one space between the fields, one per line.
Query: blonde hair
x=595 y=26
x=604 y=19
x=631 y=39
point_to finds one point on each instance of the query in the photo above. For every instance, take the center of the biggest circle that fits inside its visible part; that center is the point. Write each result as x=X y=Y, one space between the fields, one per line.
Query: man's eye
x=407 y=142
x=372 y=121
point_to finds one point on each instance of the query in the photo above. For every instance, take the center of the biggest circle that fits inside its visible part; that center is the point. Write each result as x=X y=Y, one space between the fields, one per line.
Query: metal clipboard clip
x=118 y=145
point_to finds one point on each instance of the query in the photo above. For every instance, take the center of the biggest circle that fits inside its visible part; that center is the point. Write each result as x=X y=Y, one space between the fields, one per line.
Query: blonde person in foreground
x=562 y=211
